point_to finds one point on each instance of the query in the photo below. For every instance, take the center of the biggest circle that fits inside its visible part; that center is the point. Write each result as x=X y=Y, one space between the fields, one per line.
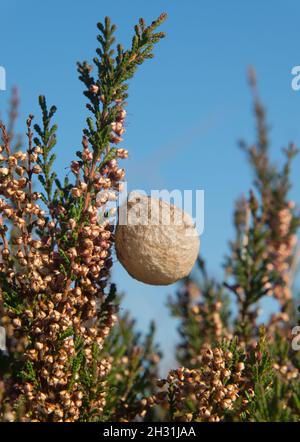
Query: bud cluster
x=206 y=393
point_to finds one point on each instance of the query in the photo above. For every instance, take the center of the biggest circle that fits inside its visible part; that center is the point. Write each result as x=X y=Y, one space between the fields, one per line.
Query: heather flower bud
x=75 y=167
x=83 y=186
x=36 y=244
x=240 y=366
x=20 y=155
x=122 y=153
x=115 y=139
x=38 y=150
x=94 y=89
x=72 y=223
x=19 y=170
x=121 y=114
x=5 y=253
x=76 y=193
x=12 y=161
x=87 y=155
x=4 y=171
x=36 y=169
x=17 y=322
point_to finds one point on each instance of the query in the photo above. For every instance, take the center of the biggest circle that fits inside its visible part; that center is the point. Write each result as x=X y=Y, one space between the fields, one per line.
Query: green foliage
x=278 y=403
x=249 y=265
x=11 y=296
x=28 y=373
x=134 y=368
x=115 y=66
x=260 y=363
x=46 y=140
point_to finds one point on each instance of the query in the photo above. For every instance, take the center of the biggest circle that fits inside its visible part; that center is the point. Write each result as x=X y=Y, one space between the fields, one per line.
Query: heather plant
x=262 y=261
x=70 y=354
x=56 y=304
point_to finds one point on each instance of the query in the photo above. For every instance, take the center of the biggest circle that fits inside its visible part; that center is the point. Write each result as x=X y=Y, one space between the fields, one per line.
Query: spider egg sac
x=155 y=241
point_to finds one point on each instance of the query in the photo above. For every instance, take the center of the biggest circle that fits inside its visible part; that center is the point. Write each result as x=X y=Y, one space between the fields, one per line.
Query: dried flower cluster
x=282 y=251
x=206 y=393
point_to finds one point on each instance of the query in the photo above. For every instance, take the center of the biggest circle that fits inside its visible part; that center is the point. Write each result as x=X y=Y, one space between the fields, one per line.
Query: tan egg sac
x=156 y=242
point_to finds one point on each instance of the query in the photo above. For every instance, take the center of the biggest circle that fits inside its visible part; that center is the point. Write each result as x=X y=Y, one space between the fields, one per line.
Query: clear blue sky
x=187 y=107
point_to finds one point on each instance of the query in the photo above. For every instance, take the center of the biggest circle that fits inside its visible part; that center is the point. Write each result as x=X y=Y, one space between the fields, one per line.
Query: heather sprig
x=249 y=265
x=107 y=91
x=278 y=212
x=46 y=140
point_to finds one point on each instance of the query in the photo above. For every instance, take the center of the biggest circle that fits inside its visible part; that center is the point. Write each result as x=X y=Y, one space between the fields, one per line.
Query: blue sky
x=187 y=107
